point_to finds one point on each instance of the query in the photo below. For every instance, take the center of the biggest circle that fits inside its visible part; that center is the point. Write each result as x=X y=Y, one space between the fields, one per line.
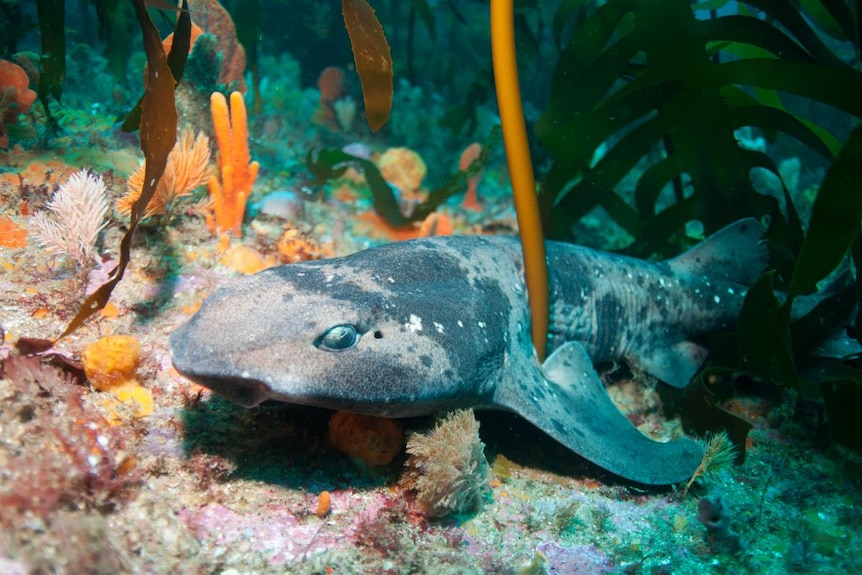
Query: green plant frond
x=679 y=97
x=748 y=37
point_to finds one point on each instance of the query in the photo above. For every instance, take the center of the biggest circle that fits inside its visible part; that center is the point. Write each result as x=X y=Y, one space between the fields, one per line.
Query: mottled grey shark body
x=437 y=324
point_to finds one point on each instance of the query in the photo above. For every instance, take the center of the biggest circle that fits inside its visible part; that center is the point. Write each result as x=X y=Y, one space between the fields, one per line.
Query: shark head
x=399 y=330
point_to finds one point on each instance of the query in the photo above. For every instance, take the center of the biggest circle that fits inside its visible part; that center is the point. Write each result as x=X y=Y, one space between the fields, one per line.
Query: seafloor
x=90 y=485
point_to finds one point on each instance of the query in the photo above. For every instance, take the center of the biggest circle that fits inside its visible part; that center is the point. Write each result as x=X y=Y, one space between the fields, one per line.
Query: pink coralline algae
x=279 y=534
x=575 y=560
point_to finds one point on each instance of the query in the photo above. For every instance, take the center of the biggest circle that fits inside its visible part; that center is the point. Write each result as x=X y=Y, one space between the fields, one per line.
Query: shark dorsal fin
x=734 y=253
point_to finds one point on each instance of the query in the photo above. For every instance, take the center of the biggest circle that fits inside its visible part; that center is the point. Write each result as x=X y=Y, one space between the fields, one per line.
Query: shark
x=437 y=324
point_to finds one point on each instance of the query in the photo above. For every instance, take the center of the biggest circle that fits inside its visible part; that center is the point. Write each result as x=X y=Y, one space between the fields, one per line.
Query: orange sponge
x=374 y=440
x=112 y=361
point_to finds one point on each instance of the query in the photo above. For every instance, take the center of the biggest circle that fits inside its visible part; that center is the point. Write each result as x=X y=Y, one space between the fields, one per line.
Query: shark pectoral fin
x=571 y=405
x=675 y=364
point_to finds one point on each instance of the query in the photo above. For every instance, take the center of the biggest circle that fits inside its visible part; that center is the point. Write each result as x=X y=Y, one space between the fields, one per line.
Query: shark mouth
x=244 y=392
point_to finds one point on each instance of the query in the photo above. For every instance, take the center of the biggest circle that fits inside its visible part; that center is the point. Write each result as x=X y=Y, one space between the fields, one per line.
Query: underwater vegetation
x=648 y=103
x=659 y=123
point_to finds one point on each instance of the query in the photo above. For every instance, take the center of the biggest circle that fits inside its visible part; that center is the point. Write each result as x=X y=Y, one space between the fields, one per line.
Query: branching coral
x=187 y=169
x=447 y=467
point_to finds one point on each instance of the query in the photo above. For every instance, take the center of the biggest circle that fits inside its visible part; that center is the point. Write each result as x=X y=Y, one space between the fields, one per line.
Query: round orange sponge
x=112 y=361
x=374 y=440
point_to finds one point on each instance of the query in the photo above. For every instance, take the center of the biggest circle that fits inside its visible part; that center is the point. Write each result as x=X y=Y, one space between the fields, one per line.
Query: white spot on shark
x=481 y=324
x=716 y=299
x=414 y=324
x=391 y=280
x=460 y=323
x=730 y=291
x=439 y=327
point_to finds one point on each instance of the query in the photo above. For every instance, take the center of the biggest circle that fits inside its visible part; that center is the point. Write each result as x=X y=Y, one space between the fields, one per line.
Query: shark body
x=437 y=324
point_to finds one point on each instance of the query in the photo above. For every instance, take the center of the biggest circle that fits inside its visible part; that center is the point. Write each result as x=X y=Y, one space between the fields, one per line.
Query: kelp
x=53 y=60
x=639 y=79
x=520 y=170
x=113 y=17
x=638 y=75
x=769 y=342
x=176 y=61
x=329 y=164
x=158 y=136
x=372 y=58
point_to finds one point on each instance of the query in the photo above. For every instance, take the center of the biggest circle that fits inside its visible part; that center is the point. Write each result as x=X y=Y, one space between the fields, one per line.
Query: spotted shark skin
x=443 y=323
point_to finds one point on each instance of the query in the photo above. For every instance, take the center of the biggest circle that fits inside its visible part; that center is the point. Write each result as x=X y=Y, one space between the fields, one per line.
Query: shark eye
x=338 y=338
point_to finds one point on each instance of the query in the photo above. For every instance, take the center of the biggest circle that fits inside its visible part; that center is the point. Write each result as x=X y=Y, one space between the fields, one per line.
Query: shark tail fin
x=735 y=253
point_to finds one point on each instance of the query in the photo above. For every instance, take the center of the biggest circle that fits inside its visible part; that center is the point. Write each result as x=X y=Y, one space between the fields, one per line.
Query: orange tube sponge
x=238 y=172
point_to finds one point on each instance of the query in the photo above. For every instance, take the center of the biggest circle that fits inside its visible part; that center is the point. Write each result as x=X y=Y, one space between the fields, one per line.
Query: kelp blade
x=372 y=58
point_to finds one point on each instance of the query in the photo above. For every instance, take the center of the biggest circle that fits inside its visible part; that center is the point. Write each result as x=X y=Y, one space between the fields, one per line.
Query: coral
x=404 y=169
x=16 y=97
x=187 y=169
x=447 y=467
x=112 y=361
x=715 y=516
x=76 y=215
x=238 y=173
x=373 y=440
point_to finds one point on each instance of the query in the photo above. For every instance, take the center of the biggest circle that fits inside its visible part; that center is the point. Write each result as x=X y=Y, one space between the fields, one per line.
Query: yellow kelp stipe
x=520 y=168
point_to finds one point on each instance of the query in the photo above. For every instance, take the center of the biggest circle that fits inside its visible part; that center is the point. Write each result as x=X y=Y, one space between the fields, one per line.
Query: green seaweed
x=53 y=61
x=637 y=80
x=638 y=75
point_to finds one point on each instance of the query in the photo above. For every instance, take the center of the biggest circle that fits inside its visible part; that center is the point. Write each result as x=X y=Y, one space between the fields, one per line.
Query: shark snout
x=209 y=368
